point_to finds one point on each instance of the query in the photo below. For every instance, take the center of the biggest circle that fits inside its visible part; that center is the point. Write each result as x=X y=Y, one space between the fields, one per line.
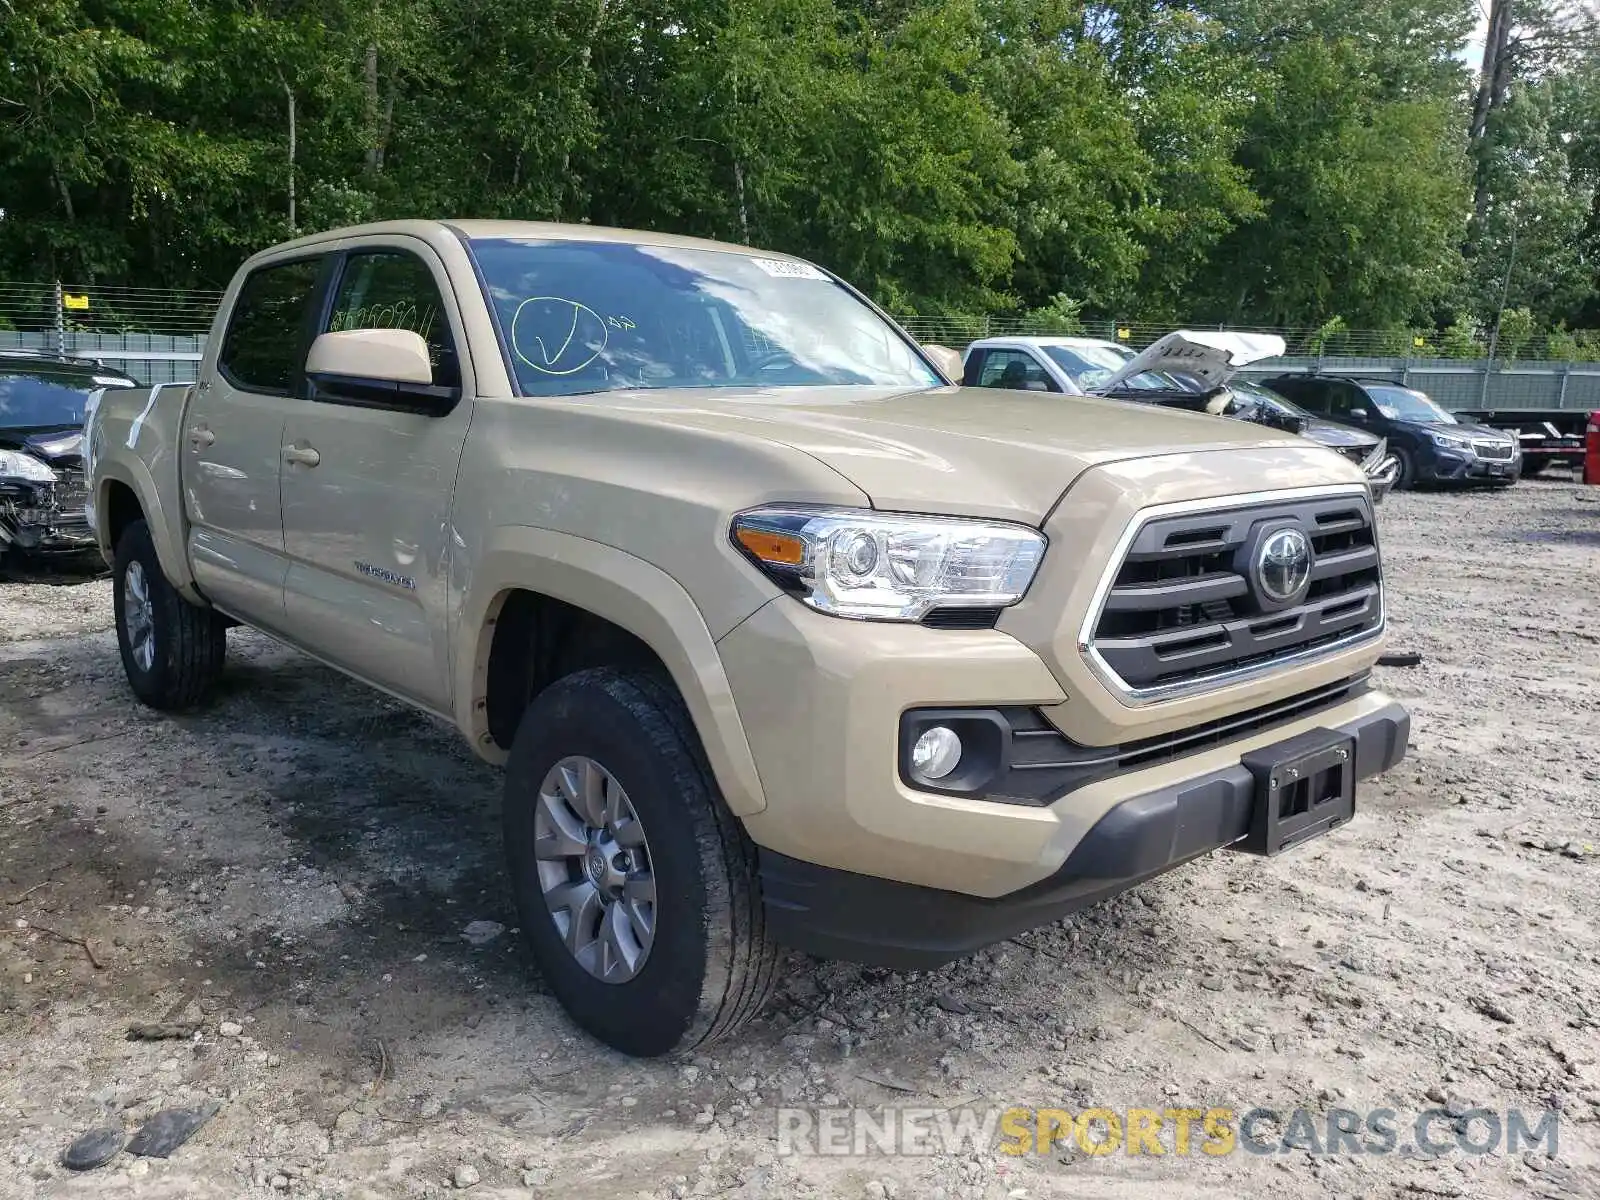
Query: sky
x=1472 y=52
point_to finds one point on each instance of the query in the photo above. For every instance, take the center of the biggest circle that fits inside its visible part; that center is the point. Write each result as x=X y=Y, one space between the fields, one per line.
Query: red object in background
x=1591 y=453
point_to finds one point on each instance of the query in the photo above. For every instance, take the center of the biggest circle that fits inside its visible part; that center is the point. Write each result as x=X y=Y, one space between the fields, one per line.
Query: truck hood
x=980 y=452
x=1213 y=356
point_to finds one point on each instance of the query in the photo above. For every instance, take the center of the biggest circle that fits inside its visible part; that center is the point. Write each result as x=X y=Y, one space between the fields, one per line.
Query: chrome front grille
x=1493 y=451
x=1186 y=608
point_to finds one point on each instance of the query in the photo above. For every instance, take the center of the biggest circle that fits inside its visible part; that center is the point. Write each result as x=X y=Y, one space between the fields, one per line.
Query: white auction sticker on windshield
x=782 y=268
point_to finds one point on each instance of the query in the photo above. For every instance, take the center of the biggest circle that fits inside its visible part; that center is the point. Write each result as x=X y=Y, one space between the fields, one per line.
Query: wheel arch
x=126 y=492
x=628 y=610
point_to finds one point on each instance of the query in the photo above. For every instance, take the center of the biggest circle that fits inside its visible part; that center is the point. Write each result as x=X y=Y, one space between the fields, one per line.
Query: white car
x=1184 y=369
x=1185 y=362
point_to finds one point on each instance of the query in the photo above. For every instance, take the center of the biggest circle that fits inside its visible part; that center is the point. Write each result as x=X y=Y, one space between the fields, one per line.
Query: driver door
x=367 y=488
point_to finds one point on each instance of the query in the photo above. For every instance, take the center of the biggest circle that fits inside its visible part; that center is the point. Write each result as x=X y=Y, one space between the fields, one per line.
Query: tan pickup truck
x=783 y=638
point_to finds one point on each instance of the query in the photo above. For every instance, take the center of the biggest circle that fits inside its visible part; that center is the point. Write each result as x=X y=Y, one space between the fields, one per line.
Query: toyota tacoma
x=782 y=637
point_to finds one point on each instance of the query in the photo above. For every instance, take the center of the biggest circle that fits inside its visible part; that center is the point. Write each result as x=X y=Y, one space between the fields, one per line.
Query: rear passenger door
x=232 y=438
x=367 y=487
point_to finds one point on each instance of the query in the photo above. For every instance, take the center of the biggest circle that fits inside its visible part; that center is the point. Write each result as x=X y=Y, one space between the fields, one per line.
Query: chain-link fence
x=65 y=308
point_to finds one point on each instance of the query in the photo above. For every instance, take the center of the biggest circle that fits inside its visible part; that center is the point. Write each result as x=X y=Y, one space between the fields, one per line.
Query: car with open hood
x=781 y=635
x=44 y=399
x=1250 y=401
x=1429 y=443
x=1196 y=370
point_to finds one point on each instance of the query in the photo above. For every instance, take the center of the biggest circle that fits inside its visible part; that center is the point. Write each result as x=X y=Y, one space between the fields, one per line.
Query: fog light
x=936 y=753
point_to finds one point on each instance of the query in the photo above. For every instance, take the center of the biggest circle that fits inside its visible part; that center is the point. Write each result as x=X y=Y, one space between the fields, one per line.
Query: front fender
x=630 y=593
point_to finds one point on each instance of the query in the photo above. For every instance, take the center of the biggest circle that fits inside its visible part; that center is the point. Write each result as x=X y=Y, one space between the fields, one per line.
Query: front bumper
x=862 y=918
x=822 y=702
x=44 y=518
x=1449 y=466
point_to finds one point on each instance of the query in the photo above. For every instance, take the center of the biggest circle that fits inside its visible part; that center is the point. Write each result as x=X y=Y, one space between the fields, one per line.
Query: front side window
x=390 y=289
x=264 y=346
x=1015 y=369
x=582 y=316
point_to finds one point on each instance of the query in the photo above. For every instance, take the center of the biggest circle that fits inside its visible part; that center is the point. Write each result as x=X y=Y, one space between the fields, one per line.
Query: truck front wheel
x=172 y=650
x=635 y=885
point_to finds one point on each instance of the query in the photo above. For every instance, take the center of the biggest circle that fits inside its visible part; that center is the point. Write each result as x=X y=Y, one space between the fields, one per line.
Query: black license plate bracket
x=1305 y=786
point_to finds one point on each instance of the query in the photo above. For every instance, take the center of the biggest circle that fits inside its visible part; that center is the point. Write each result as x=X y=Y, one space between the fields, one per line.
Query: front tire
x=172 y=650
x=1405 y=478
x=635 y=886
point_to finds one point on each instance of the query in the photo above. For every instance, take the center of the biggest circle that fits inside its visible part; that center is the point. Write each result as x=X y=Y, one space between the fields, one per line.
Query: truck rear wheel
x=172 y=650
x=635 y=886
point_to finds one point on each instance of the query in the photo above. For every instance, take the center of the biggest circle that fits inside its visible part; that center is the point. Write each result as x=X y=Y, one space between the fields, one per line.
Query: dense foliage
x=1290 y=162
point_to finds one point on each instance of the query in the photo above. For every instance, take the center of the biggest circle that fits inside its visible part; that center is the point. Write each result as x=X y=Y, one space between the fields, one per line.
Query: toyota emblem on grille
x=1283 y=566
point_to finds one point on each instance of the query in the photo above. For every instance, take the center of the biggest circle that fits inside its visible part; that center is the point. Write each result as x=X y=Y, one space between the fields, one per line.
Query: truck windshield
x=583 y=316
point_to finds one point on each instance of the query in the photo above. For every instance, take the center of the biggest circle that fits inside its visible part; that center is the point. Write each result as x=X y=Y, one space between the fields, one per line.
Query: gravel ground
x=289 y=874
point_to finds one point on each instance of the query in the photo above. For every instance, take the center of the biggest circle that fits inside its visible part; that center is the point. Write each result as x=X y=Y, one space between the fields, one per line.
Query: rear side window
x=390 y=289
x=1305 y=392
x=264 y=347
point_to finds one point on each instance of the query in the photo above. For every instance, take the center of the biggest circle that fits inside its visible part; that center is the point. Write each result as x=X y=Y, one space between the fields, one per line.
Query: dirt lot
x=292 y=871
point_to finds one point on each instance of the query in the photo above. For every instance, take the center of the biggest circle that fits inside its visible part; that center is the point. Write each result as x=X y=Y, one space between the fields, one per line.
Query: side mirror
x=947 y=361
x=387 y=368
x=1359 y=414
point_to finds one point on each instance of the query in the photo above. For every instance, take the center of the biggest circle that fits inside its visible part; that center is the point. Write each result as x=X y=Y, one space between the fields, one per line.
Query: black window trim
x=297 y=366
x=973 y=369
x=445 y=399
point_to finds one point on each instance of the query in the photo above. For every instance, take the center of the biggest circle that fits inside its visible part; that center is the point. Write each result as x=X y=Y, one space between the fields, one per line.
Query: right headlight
x=14 y=464
x=1450 y=441
x=886 y=566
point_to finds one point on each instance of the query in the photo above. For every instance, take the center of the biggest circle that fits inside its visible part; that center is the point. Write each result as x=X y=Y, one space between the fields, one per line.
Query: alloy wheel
x=594 y=869
x=138 y=616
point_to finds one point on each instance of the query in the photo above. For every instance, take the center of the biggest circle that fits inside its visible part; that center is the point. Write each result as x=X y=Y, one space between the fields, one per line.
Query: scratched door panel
x=366 y=528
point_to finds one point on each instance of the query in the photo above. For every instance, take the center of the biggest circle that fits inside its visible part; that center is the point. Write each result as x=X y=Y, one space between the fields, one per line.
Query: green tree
x=1353 y=145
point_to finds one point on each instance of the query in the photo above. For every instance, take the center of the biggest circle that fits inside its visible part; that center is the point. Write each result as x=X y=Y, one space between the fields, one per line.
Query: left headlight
x=16 y=465
x=887 y=567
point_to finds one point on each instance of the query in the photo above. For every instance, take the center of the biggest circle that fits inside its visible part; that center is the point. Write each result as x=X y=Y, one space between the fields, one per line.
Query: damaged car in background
x=1190 y=369
x=44 y=399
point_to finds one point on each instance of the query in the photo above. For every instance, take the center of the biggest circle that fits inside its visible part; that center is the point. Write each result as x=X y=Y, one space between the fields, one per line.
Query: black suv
x=1429 y=444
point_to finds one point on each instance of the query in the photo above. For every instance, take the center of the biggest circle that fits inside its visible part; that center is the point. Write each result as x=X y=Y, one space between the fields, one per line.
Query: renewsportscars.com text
x=1208 y=1132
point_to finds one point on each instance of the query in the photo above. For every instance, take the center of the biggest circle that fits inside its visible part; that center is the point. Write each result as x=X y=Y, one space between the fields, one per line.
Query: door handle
x=200 y=437
x=303 y=456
